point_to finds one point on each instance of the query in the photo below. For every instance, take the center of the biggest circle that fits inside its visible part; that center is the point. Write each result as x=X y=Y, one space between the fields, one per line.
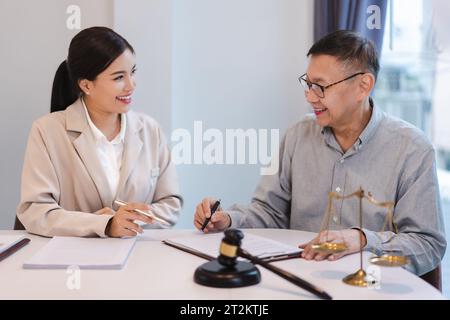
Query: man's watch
x=363 y=234
x=229 y=218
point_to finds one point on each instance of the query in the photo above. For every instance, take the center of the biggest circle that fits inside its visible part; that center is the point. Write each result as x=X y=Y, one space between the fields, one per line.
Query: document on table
x=85 y=253
x=261 y=247
x=163 y=234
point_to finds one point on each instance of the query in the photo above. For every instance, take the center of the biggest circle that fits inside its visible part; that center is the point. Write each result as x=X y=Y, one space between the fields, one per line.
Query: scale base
x=356 y=279
x=213 y=274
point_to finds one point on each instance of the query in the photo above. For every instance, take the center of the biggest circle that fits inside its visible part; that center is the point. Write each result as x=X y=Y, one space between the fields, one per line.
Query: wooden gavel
x=230 y=249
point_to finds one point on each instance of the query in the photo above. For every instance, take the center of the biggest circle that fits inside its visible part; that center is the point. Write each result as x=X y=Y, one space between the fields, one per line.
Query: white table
x=157 y=271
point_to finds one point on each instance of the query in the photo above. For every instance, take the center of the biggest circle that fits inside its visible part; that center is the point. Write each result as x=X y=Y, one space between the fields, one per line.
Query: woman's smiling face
x=112 y=89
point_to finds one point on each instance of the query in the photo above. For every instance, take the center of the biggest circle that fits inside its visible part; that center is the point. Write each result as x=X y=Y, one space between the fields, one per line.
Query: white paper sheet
x=255 y=245
x=85 y=253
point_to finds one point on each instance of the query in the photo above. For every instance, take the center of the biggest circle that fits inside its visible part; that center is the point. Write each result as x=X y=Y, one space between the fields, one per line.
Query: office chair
x=434 y=277
x=18 y=225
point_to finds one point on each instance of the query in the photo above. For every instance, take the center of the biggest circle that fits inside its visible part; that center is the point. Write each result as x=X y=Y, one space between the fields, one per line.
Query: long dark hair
x=91 y=51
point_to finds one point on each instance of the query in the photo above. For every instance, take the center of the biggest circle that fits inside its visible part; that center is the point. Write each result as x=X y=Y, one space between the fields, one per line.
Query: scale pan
x=329 y=247
x=387 y=260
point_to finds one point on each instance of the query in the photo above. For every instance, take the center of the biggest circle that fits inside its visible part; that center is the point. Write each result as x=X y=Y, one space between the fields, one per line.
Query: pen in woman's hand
x=213 y=209
x=152 y=216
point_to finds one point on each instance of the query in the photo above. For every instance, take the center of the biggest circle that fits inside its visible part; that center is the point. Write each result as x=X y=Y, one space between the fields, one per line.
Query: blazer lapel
x=86 y=148
x=131 y=150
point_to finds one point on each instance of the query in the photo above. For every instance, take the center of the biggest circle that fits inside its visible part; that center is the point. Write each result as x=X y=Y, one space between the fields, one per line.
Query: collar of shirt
x=366 y=134
x=98 y=135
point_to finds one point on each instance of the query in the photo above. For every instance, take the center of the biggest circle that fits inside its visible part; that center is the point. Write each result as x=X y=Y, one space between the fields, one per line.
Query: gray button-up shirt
x=391 y=159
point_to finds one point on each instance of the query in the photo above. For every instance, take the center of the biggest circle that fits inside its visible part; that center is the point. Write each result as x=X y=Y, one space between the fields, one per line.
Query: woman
x=93 y=150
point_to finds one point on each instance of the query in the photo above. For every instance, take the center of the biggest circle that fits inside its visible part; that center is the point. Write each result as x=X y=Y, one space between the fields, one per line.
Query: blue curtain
x=333 y=15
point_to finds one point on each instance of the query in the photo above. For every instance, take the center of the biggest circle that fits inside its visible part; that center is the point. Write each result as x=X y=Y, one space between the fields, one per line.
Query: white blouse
x=109 y=152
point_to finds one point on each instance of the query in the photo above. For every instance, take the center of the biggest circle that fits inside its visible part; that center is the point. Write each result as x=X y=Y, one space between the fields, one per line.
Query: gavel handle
x=286 y=275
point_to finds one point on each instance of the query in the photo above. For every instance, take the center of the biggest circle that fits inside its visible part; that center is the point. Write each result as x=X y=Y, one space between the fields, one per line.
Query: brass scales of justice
x=386 y=259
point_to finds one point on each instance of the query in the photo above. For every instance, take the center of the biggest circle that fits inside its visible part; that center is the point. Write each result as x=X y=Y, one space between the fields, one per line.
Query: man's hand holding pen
x=122 y=223
x=219 y=221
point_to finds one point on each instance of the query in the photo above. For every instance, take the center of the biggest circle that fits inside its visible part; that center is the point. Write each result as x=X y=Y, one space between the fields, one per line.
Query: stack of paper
x=85 y=253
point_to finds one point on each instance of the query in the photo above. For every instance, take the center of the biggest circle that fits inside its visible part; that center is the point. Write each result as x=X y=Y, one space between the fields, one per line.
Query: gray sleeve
x=271 y=202
x=418 y=216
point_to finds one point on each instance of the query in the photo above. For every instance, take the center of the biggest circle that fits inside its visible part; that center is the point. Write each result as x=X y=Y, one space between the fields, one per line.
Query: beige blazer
x=63 y=182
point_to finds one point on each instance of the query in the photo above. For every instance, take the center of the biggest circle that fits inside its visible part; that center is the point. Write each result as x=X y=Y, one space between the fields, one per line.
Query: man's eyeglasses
x=317 y=88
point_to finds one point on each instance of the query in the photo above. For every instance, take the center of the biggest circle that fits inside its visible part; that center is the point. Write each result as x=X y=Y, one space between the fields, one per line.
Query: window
x=414 y=83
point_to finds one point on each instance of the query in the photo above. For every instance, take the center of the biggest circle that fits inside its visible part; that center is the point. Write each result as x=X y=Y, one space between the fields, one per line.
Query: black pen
x=213 y=209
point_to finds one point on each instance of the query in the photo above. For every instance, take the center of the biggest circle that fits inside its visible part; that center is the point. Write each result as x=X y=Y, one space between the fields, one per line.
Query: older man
x=348 y=142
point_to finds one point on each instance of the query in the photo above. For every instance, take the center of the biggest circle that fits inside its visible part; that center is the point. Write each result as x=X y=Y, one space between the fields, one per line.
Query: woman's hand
x=122 y=223
x=351 y=237
x=219 y=221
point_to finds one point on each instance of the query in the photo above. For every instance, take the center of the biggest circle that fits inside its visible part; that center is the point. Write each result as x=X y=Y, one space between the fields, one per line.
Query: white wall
x=235 y=65
x=34 y=40
x=147 y=24
x=441 y=112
